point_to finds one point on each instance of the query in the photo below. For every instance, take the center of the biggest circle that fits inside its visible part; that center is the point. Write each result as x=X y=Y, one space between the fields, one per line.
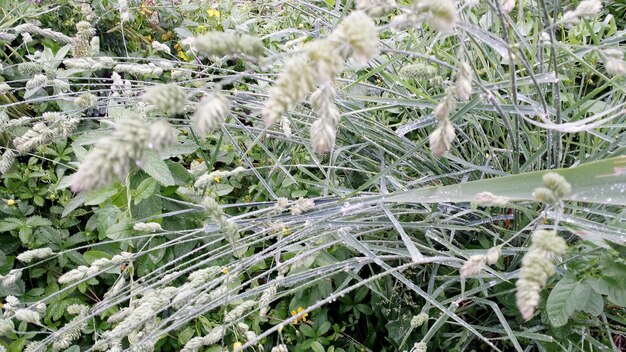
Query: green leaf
x=145 y=189
x=10 y=224
x=617 y=295
x=37 y=221
x=594 y=305
x=565 y=298
x=157 y=168
x=74 y=204
x=120 y=230
x=307 y=331
x=90 y=256
x=99 y=196
x=316 y=346
x=595 y=182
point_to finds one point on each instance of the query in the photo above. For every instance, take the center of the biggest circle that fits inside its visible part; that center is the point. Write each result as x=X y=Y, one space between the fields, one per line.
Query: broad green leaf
x=617 y=295
x=157 y=168
x=596 y=182
x=594 y=305
x=565 y=298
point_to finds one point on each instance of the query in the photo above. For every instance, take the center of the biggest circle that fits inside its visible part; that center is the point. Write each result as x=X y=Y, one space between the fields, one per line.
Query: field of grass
x=290 y=175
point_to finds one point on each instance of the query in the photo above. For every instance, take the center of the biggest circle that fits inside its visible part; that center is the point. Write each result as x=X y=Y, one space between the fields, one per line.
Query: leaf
x=596 y=182
x=307 y=331
x=185 y=148
x=98 y=196
x=120 y=230
x=145 y=189
x=74 y=203
x=594 y=305
x=617 y=295
x=565 y=298
x=157 y=168
x=316 y=346
x=37 y=221
x=10 y=224
x=90 y=256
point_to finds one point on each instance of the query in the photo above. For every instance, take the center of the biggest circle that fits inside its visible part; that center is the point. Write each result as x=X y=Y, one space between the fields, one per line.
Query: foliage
x=389 y=207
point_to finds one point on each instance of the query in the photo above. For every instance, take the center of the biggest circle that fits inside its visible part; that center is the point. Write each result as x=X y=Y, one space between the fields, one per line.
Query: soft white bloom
x=39 y=253
x=27 y=315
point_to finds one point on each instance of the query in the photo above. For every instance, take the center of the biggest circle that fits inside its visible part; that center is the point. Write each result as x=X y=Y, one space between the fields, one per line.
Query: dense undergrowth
x=312 y=175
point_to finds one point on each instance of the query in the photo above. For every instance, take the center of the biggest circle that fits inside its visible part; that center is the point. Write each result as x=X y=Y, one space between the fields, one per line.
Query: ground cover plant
x=292 y=175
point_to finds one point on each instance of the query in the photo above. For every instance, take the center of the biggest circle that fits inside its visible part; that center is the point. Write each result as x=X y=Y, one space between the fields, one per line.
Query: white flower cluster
x=96 y=267
x=169 y=98
x=211 y=113
x=39 y=253
x=585 y=8
x=226 y=225
x=113 y=156
x=442 y=137
x=537 y=267
x=302 y=205
x=147 y=227
x=476 y=263
x=556 y=188
x=216 y=176
x=356 y=39
x=54 y=125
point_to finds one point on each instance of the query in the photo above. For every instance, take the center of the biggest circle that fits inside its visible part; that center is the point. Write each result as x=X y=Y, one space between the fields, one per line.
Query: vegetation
x=292 y=175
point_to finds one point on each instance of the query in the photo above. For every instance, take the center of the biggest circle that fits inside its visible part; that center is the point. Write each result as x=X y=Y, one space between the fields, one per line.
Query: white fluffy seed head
x=474 y=265
x=27 y=315
x=464 y=82
x=211 y=113
x=441 y=138
x=169 y=98
x=359 y=32
x=39 y=253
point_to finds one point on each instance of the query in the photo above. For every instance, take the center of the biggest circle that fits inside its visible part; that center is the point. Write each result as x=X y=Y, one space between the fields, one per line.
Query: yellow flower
x=11 y=202
x=167 y=36
x=301 y=25
x=302 y=318
x=286 y=231
x=181 y=52
x=217 y=179
x=237 y=345
x=213 y=13
x=225 y=270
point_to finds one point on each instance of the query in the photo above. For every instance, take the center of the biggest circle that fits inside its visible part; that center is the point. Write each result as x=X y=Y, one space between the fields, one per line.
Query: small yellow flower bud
x=11 y=202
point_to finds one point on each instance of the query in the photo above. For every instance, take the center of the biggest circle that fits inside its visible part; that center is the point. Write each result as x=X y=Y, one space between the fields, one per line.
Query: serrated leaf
x=157 y=168
x=37 y=221
x=10 y=224
x=564 y=299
